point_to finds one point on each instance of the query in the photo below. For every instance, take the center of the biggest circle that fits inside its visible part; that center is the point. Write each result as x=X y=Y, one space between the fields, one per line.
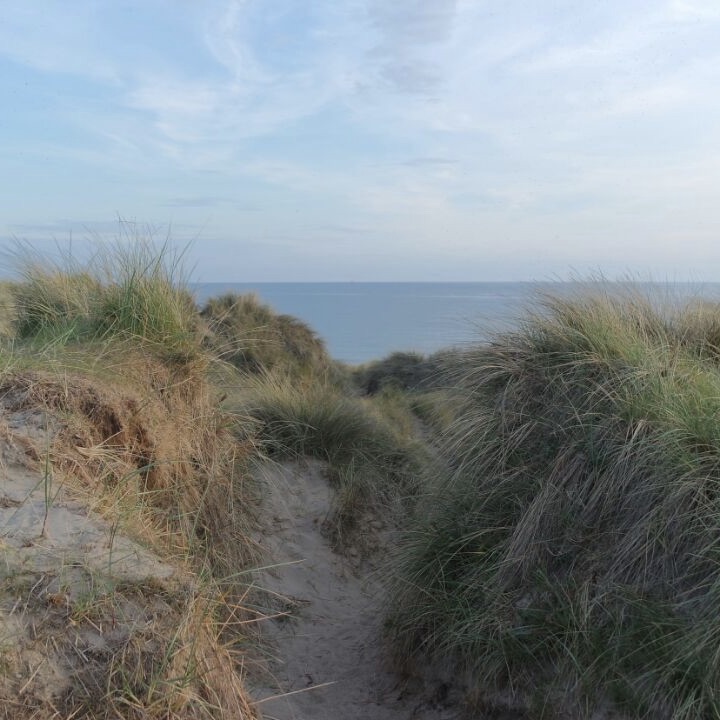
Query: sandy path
x=328 y=662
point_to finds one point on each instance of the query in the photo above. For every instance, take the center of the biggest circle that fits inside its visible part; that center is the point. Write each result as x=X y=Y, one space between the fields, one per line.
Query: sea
x=364 y=321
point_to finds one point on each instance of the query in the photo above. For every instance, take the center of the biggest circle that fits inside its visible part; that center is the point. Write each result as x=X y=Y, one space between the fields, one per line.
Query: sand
x=325 y=655
x=328 y=661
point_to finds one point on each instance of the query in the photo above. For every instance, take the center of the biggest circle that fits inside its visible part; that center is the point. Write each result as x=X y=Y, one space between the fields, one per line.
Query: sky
x=383 y=140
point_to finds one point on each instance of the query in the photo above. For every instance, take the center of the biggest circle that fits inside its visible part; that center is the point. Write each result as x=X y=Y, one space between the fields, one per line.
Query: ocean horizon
x=364 y=321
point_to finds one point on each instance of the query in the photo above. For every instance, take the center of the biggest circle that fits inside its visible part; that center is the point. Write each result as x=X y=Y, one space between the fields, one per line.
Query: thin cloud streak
x=422 y=123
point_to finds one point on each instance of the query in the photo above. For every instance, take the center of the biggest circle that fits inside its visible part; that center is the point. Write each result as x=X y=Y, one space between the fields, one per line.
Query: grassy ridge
x=572 y=552
x=254 y=338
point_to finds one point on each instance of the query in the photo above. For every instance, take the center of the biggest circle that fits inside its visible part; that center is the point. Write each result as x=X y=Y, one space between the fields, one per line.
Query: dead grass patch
x=153 y=455
x=153 y=450
x=149 y=650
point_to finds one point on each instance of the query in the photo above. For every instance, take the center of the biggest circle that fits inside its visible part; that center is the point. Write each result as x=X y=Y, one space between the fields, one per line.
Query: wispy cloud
x=407 y=33
x=406 y=123
x=694 y=10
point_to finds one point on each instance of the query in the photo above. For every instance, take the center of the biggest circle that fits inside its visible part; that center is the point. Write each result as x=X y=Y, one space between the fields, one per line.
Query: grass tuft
x=130 y=290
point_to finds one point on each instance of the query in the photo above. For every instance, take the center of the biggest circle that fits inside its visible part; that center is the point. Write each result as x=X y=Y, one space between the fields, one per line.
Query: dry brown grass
x=123 y=494
x=132 y=651
x=156 y=438
x=153 y=455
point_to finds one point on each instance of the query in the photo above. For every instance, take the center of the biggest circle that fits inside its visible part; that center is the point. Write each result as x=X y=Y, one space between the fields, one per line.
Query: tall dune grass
x=131 y=289
x=254 y=338
x=572 y=553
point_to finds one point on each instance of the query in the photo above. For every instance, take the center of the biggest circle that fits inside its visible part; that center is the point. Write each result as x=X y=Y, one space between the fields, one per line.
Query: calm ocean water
x=367 y=321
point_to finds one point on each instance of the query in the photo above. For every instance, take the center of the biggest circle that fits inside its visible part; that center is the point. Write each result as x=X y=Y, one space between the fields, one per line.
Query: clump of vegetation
x=435 y=409
x=420 y=384
x=404 y=371
x=373 y=462
x=399 y=370
x=256 y=339
x=571 y=551
x=7 y=310
x=130 y=650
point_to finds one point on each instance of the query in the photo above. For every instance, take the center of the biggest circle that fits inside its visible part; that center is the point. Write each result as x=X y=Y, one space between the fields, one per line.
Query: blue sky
x=368 y=139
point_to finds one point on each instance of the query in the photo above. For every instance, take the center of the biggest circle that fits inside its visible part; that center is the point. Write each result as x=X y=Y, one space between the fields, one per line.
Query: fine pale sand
x=327 y=659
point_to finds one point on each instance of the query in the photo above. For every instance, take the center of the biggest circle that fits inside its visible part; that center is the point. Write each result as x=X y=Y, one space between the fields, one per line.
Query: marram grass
x=129 y=290
x=572 y=551
x=254 y=338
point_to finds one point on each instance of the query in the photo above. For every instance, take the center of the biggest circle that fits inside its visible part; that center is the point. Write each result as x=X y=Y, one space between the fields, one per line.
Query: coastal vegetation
x=105 y=389
x=373 y=458
x=570 y=551
x=548 y=500
x=135 y=405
